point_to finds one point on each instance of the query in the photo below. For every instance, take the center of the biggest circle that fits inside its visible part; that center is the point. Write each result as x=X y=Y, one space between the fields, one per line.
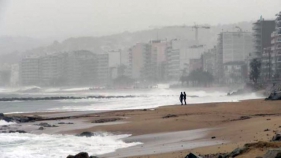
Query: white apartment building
x=29 y=70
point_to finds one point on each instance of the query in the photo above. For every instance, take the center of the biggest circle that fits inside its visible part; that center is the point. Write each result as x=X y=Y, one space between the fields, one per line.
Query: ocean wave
x=2 y=123
x=59 y=146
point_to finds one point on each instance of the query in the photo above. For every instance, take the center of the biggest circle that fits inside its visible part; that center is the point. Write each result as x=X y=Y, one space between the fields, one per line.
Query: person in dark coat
x=181 y=98
x=184 y=98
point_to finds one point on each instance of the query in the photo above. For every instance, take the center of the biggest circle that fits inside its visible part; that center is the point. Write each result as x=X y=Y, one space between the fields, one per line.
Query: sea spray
x=59 y=146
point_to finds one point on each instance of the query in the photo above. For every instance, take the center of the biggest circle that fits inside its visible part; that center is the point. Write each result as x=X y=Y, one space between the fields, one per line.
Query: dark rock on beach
x=80 y=155
x=86 y=134
x=17 y=131
x=191 y=155
x=106 y=120
x=277 y=137
x=170 y=115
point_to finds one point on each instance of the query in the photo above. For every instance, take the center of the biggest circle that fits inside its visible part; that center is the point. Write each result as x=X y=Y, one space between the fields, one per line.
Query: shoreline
x=235 y=124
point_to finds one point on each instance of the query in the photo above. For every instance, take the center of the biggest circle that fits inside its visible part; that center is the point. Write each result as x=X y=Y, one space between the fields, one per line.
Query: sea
x=59 y=146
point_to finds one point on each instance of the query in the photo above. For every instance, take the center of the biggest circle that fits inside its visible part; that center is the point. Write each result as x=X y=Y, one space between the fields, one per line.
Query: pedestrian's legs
x=185 y=102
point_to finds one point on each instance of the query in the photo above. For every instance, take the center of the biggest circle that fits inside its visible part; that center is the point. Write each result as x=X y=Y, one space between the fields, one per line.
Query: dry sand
x=233 y=125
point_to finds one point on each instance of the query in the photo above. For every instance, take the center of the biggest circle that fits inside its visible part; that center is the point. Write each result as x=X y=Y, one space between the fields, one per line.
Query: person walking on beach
x=181 y=98
x=184 y=98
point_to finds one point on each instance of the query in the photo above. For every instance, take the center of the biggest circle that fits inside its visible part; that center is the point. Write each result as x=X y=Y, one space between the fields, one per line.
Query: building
x=51 y=69
x=262 y=35
x=266 y=64
x=159 y=48
x=137 y=59
x=80 y=68
x=76 y=68
x=276 y=48
x=234 y=48
x=234 y=72
x=173 y=54
x=29 y=71
x=209 y=61
x=103 y=70
x=195 y=64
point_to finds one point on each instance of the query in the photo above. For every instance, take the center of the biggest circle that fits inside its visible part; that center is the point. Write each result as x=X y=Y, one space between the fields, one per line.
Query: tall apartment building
x=29 y=71
x=209 y=61
x=51 y=69
x=262 y=35
x=276 y=48
x=81 y=68
x=173 y=53
x=234 y=48
x=102 y=69
x=143 y=62
x=76 y=68
x=266 y=64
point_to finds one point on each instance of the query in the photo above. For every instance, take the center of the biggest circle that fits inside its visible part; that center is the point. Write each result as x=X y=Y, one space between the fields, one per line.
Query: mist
x=69 y=18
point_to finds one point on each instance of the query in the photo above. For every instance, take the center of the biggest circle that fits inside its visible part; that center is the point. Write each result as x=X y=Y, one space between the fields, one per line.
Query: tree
x=255 y=66
x=123 y=81
x=200 y=77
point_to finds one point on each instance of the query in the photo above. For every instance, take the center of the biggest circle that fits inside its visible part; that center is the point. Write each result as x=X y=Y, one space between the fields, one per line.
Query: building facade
x=276 y=48
x=76 y=68
x=234 y=48
x=262 y=35
x=29 y=71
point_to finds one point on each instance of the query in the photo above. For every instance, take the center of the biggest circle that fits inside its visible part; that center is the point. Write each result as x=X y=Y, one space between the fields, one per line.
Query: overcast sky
x=66 y=18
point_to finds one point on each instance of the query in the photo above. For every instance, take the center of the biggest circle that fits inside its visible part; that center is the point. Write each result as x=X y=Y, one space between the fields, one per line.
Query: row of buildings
x=229 y=61
x=270 y=48
x=67 y=68
x=164 y=60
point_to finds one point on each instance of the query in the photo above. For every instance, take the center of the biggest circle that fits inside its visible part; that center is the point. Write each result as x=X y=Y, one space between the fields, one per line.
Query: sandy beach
x=174 y=131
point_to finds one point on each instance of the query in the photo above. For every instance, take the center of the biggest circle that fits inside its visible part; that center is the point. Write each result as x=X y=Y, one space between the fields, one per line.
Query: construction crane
x=196 y=27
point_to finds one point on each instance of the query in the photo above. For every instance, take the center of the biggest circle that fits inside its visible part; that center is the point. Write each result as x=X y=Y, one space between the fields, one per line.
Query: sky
x=73 y=18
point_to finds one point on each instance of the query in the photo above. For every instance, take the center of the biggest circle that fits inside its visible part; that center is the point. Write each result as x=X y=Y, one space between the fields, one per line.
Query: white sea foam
x=58 y=146
x=2 y=122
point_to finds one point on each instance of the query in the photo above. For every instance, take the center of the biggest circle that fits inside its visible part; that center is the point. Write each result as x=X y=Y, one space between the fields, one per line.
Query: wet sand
x=167 y=131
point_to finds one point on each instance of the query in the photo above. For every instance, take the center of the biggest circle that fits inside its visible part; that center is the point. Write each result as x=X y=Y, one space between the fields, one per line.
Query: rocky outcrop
x=19 y=119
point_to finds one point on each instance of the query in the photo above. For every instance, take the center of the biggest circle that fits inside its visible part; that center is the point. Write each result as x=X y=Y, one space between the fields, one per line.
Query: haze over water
x=110 y=99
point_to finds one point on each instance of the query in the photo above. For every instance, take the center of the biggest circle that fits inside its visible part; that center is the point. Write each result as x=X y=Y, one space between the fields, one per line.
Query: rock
x=1 y=115
x=44 y=124
x=169 y=116
x=106 y=120
x=80 y=155
x=85 y=134
x=266 y=130
x=41 y=128
x=55 y=126
x=191 y=155
x=213 y=137
x=236 y=152
x=273 y=153
x=17 y=131
x=61 y=123
x=277 y=137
